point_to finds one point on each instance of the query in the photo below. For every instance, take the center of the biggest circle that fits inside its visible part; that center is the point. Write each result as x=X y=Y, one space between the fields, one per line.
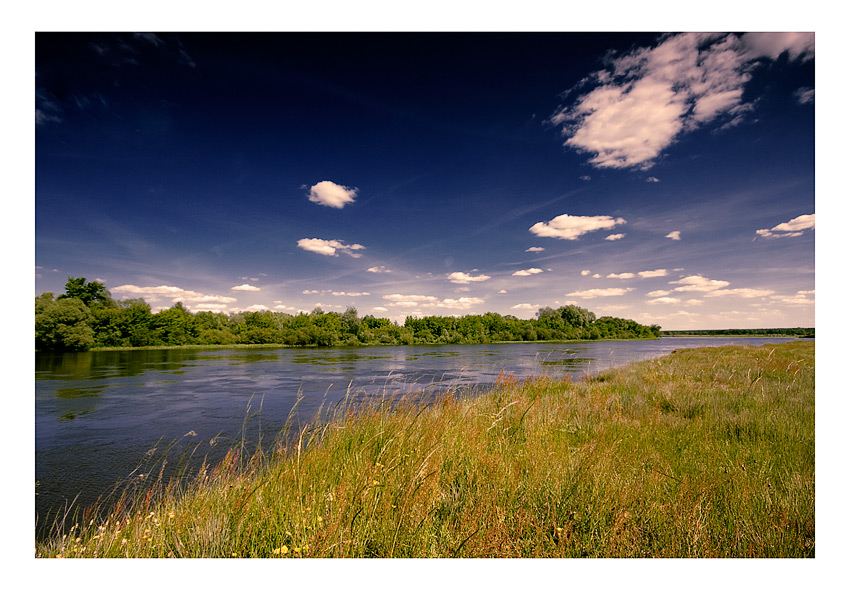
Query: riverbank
x=703 y=453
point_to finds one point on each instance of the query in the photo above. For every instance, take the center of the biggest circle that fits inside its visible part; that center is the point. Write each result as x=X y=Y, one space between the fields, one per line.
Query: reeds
x=703 y=453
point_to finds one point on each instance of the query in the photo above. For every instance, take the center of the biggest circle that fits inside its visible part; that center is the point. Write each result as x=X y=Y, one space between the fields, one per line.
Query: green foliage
x=64 y=324
x=103 y=322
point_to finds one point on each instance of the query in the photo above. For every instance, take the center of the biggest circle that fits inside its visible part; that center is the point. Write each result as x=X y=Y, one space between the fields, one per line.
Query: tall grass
x=704 y=453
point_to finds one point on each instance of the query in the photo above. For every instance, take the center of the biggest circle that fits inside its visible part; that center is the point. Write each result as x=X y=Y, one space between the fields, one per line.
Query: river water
x=99 y=415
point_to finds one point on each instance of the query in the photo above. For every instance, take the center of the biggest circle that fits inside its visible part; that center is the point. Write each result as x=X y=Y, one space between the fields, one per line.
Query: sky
x=667 y=178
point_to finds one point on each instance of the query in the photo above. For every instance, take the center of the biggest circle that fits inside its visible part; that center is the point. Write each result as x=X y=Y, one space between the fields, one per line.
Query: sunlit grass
x=704 y=453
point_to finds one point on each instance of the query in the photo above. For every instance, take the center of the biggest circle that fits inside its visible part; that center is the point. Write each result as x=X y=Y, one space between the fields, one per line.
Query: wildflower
x=170 y=515
x=283 y=549
x=375 y=482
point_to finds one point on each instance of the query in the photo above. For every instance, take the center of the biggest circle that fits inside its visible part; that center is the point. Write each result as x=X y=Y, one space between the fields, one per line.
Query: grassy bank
x=704 y=453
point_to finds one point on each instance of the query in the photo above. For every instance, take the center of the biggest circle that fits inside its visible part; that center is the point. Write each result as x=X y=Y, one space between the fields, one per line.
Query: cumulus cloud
x=462 y=278
x=698 y=283
x=330 y=194
x=622 y=275
x=593 y=293
x=789 y=229
x=571 y=227
x=329 y=247
x=527 y=272
x=674 y=235
x=535 y=249
x=614 y=237
x=173 y=293
x=647 y=98
x=245 y=287
x=648 y=274
x=348 y=294
x=663 y=300
x=525 y=306
x=399 y=300
x=378 y=269
x=659 y=293
x=584 y=273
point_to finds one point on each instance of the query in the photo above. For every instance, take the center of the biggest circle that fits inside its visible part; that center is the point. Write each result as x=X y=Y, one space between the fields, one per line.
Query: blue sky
x=666 y=178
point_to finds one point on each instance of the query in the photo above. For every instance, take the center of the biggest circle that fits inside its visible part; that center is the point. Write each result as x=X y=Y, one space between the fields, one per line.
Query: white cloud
x=614 y=237
x=379 y=308
x=745 y=293
x=674 y=235
x=173 y=293
x=525 y=306
x=330 y=194
x=527 y=272
x=658 y=293
x=772 y=45
x=647 y=274
x=571 y=227
x=645 y=99
x=584 y=273
x=593 y=293
x=502 y=292
x=805 y=95
x=535 y=249
x=377 y=269
x=398 y=300
x=799 y=298
x=329 y=247
x=245 y=287
x=789 y=229
x=257 y=307
x=462 y=278
x=663 y=300
x=652 y=179
x=348 y=294
x=622 y=275
x=698 y=283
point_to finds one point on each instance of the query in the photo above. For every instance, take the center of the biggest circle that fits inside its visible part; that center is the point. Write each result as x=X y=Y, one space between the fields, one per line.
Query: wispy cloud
x=535 y=249
x=799 y=298
x=674 y=235
x=789 y=229
x=329 y=247
x=571 y=227
x=744 y=293
x=663 y=300
x=245 y=287
x=805 y=95
x=378 y=269
x=648 y=274
x=647 y=98
x=330 y=194
x=462 y=278
x=594 y=293
x=615 y=237
x=622 y=275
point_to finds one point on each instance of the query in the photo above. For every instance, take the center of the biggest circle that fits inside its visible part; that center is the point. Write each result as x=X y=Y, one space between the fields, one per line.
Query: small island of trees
x=86 y=317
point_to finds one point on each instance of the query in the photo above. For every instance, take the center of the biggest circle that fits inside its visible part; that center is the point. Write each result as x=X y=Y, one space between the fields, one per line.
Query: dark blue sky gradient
x=185 y=161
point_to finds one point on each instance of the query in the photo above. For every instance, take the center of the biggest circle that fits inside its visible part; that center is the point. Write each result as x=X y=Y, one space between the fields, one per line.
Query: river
x=100 y=414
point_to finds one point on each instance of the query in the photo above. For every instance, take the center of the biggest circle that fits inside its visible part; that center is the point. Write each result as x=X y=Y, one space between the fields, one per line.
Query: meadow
x=706 y=452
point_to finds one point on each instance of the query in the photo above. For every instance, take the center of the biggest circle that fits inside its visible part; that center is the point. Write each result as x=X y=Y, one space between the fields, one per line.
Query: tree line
x=86 y=316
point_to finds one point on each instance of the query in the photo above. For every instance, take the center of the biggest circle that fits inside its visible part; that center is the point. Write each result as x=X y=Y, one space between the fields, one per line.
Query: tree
x=64 y=324
x=90 y=293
